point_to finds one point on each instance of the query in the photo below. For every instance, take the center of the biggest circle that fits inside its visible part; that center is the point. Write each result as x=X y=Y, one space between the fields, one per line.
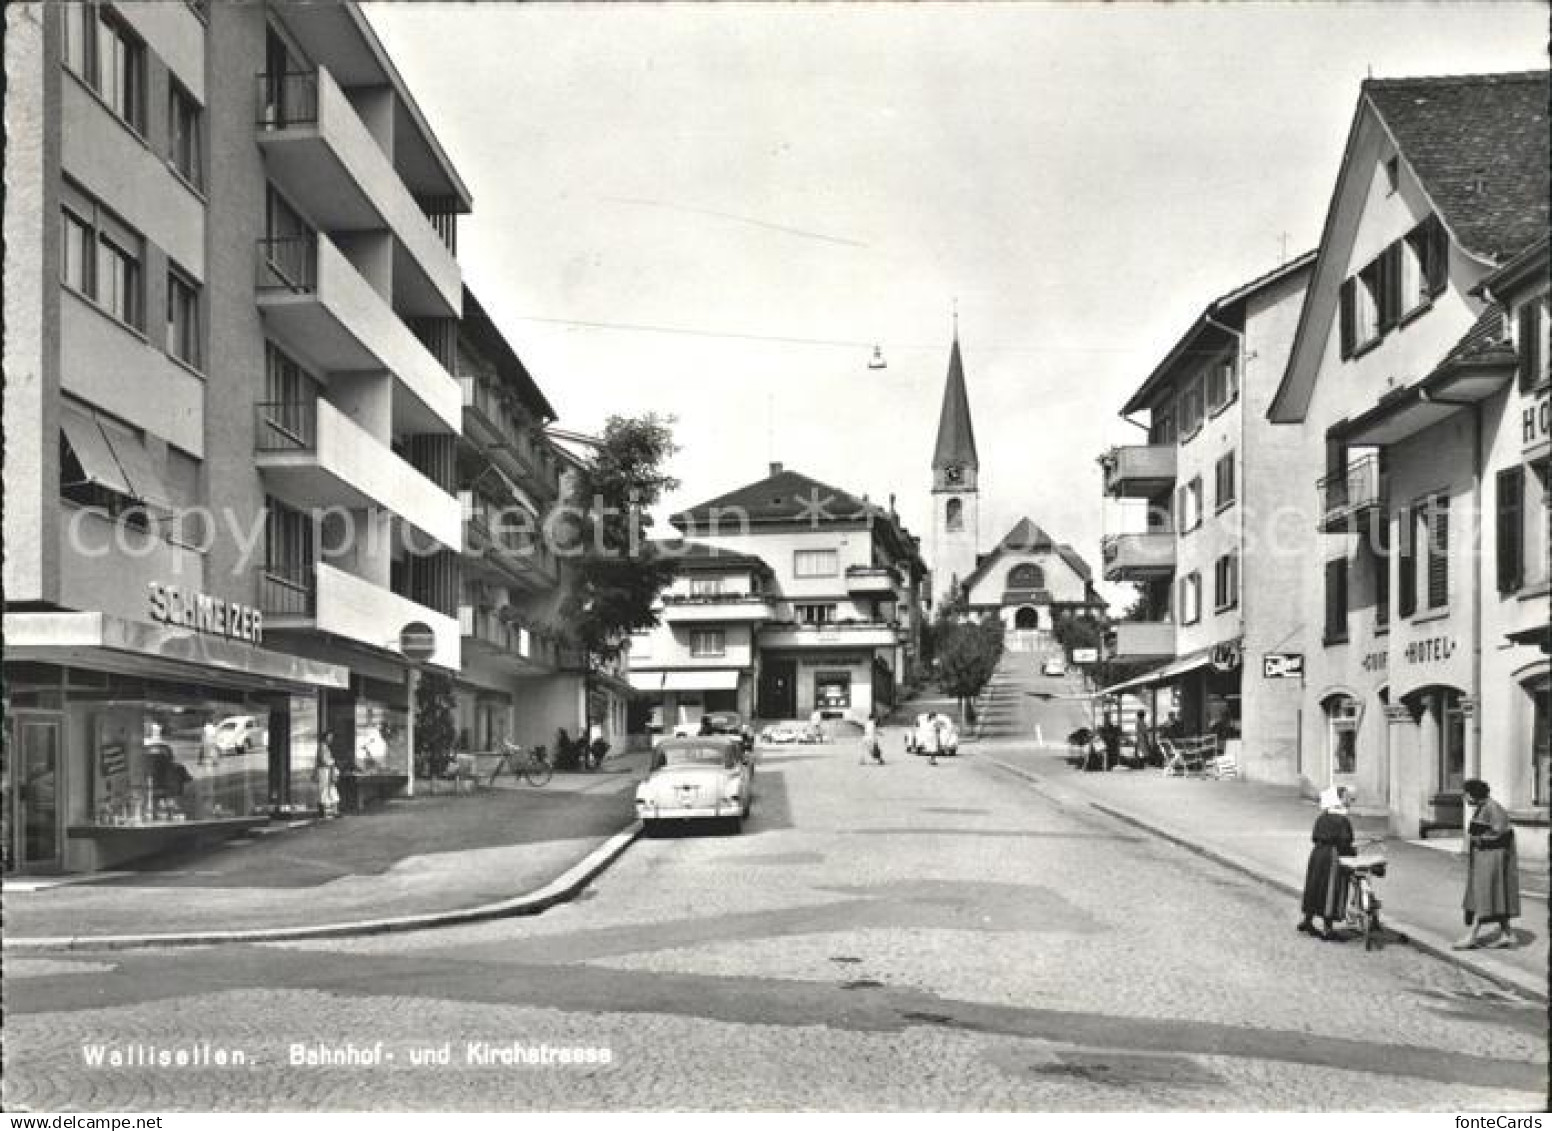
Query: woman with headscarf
x=1492 y=871
x=1325 y=883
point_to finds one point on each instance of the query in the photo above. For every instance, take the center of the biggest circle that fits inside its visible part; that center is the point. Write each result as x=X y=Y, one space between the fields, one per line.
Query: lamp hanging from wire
x=877 y=360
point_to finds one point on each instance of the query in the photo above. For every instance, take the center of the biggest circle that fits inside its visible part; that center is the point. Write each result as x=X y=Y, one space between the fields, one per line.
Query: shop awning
x=99 y=642
x=1538 y=637
x=145 y=482
x=90 y=446
x=1169 y=671
x=701 y=681
x=646 y=681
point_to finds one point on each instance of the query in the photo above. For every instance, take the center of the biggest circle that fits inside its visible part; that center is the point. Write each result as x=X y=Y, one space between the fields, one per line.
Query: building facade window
x=1437 y=551
x=1222 y=384
x=706 y=642
x=1162 y=429
x=184 y=337
x=954 y=515
x=1189 y=505
x=1190 y=409
x=185 y=123
x=705 y=586
x=101 y=257
x=1406 y=564
x=1380 y=548
x=1226 y=582
x=104 y=54
x=815 y=613
x=1336 y=601
x=1342 y=716
x=1533 y=337
x=1509 y=519
x=1223 y=482
x=1539 y=691
x=1026 y=575
x=832 y=691
x=1191 y=598
x=1402 y=278
x=815 y=563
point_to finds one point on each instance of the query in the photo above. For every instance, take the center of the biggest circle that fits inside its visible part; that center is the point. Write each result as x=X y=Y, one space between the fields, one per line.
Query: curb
x=559 y=890
x=1423 y=939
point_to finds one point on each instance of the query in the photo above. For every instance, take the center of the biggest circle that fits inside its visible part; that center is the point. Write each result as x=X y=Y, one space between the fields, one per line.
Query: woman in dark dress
x=1325 y=883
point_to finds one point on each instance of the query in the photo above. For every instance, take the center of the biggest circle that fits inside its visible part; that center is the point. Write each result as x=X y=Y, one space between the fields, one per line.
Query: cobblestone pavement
x=897 y=937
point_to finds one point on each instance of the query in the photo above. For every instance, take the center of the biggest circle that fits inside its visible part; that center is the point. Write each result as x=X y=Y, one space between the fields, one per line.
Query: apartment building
x=793 y=597
x=1200 y=513
x=1419 y=370
x=231 y=419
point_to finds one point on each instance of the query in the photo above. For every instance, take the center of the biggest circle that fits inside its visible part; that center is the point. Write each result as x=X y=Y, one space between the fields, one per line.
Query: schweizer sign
x=417 y=641
x=1282 y=665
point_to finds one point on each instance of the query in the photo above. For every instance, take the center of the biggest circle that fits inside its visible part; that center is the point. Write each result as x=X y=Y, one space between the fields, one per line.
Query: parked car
x=238 y=734
x=1055 y=666
x=730 y=723
x=919 y=740
x=704 y=776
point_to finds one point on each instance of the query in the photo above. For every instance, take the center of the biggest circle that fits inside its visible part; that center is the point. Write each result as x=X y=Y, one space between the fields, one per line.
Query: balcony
x=341 y=604
x=843 y=634
x=508 y=538
x=1351 y=498
x=321 y=154
x=1141 y=641
x=485 y=633
x=724 y=608
x=1139 y=471
x=313 y=456
x=1138 y=557
x=314 y=301
x=871 y=581
x=502 y=437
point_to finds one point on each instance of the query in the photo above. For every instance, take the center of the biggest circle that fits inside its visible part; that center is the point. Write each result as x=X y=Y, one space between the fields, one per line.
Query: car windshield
x=695 y=756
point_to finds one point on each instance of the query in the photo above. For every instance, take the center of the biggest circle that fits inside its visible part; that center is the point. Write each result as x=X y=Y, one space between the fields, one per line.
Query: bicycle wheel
x=538 y=773
x=1366 y=917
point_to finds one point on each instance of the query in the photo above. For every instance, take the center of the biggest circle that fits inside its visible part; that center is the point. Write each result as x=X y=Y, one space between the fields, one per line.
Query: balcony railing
x=1346 y=496
x=1130 y=555
x=1139 y=470
x=288 y=263
x=286 y=426
x=289 y=99
x=284 y=595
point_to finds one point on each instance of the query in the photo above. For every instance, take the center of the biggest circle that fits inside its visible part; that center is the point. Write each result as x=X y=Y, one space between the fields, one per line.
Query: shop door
x=779 y=689
x=35 y=830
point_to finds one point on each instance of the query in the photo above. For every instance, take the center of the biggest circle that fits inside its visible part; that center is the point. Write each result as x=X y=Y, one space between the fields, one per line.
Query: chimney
x=776 y=469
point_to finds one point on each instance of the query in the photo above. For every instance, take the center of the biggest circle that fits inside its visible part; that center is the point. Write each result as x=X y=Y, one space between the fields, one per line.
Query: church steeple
x=956 y=434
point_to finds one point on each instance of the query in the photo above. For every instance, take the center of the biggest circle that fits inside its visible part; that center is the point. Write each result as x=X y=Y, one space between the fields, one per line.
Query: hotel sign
x=1536 y=422
x=213 y=615
x=1434 y=650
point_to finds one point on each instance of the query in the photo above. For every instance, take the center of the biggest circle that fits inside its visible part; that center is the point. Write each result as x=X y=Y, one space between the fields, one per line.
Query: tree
x=967 y=654
x=436 y=730
x=1078 y=630
x=614 y=575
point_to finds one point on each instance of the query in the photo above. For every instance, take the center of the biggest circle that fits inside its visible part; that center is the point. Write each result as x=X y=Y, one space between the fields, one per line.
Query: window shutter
x=1407 y=580
x=1530 y=344
x=1438 y=256
x=1336 y=599
x=1438 y=553
x=1381 y=546
x=1348 y=314
x=1390 y=286
x=1511 y=510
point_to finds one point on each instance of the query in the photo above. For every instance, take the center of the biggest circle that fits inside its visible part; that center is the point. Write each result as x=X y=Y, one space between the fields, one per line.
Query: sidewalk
x=426 y=856
x=1263 y=830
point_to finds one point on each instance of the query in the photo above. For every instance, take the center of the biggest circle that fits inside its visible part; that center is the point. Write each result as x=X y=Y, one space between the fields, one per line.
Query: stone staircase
x=1002 y=711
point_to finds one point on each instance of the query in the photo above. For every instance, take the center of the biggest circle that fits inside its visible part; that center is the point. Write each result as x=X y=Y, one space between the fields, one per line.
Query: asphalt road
x=895 y=937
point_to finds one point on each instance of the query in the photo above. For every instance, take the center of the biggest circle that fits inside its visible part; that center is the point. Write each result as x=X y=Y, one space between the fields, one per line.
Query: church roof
x=956 y=434
x=1027 y=537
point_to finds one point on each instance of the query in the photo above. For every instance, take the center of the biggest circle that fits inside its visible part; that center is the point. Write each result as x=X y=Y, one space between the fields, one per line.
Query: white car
x=238 y=734
x=705 y=776
x=1055 y=667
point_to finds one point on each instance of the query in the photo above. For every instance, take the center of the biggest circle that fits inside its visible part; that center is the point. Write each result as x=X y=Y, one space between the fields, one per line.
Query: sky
x=716 y=211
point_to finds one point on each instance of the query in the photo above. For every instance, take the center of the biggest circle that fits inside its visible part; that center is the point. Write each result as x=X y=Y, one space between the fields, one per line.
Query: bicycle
x=1363 y=903
x=533 y=767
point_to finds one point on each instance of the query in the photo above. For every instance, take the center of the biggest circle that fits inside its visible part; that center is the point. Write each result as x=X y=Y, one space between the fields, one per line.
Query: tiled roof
x=1075 y=560
x=786 y=496
x=1027 y=536
x=1479 y=145
x=956 y=433
x=698 y=556
x=1486 y=338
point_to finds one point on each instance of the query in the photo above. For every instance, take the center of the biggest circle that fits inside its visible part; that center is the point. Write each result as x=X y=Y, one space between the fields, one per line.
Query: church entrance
x=1026 y=618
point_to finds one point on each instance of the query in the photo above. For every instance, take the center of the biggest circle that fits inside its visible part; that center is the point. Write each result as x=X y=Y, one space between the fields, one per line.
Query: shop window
x=1540 y=693
x=708 y=642
x=832 y=691
x=155 y=763
x=815 y=614
x=381 y=736
x=1342 y=718
x=815 y=563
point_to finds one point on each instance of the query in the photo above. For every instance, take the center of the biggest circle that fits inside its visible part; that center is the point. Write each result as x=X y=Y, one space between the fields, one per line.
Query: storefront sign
x=1434 y=650
x=1536 y=421
x=1085 y=655
x=1225 y=657
x=203 y=613
x=113 y=760
x=1376 y=661
x=1282 y=665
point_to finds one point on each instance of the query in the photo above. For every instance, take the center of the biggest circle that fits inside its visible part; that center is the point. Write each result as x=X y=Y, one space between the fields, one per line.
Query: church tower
x=956 y=495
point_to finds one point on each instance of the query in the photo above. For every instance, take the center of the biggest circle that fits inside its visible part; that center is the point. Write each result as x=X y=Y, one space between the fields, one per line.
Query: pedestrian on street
x=326 y=774
x=1325 y=883
x=934 y=738
x=870 y=746
x=1492 y=872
